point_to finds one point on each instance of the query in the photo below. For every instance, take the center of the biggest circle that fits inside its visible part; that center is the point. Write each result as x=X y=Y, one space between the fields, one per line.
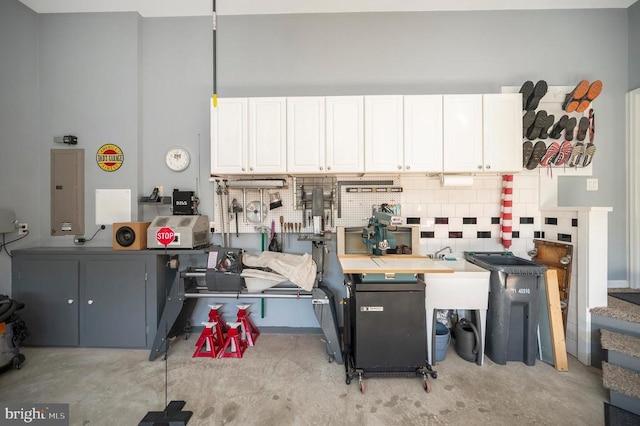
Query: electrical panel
x=67 y=192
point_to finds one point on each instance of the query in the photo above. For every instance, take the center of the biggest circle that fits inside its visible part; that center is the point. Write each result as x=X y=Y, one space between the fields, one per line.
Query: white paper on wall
x=113 y=205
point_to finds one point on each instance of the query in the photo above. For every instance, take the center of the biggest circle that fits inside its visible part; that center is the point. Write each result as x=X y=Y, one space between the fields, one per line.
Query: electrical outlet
x=592 y=184
x=23 y=228
x=212 y=227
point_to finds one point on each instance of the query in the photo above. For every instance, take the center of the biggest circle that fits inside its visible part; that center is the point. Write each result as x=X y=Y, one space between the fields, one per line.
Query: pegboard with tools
x=303 y=198
x=356 y=198
x=251 y=205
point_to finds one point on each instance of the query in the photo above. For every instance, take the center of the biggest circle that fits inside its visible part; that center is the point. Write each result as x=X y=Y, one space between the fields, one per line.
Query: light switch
x=592 y=184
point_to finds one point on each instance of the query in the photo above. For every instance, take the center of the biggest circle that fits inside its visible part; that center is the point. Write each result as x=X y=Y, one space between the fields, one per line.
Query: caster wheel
x=434 y=375
x=348 y=381
x=331 y=359
x=427 y=386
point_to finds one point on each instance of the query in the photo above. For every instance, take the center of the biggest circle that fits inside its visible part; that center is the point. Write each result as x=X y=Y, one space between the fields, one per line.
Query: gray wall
x=145 y=85
x=20 y=163
x=634 y=46
x=446 y=52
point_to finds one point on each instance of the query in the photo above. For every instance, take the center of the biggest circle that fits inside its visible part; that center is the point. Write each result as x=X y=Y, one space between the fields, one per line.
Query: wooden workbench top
x=399 y=264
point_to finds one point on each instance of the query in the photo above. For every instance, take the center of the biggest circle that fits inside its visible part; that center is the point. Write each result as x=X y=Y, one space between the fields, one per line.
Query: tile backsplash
x=468 y=218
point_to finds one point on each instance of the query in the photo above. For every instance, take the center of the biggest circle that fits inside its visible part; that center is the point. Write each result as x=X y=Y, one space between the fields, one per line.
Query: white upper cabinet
x=267 y=135
x=229 y=136
x=344 y=134
x=248 y=136
x=423 y=133
x=483 y=133
x=502 y=132
x=305 y=135
x=383 y=134
x=367 y=134
x=462 y=133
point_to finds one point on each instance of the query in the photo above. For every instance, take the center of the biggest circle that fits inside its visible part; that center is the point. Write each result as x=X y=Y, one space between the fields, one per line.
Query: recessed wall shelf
x=159 y=200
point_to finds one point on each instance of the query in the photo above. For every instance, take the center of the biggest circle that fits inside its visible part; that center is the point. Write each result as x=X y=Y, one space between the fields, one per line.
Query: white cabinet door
x=267 y=135
x=383 y=134
x=229 y=136
x=423 y=133
x=502 y=132
x=345 y=134
x=462 y=133
x=305 y=135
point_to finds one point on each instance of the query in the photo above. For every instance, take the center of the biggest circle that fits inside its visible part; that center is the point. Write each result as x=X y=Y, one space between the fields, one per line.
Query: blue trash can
x=443 y=337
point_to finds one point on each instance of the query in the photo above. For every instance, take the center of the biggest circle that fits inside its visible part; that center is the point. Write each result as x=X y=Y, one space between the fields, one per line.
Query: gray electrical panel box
x=7 y=221
x=67 y=192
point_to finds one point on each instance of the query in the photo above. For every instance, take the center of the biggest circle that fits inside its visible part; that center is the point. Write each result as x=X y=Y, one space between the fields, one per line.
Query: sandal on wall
x=572 y=100
x=589 y=152
x=548 y=122
x=568 y=130
x=583 y=125
x=527 y=150
x=539 y=91
x=563 y=154
x=576 y=155
x=539 y=150
x=536 y=128
x=592 y=125
x=528 y=119
x=551 y=154
x=527 y=91
x=557 y=129
x=594 y=91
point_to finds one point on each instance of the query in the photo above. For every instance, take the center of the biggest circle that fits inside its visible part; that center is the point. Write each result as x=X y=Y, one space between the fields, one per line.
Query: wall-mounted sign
x=109 y=157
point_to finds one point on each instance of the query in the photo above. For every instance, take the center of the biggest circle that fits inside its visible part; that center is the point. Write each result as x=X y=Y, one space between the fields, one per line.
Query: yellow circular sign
x=109 y=157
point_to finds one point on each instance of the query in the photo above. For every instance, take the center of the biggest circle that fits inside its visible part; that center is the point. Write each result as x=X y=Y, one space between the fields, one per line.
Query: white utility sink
x=466 y=288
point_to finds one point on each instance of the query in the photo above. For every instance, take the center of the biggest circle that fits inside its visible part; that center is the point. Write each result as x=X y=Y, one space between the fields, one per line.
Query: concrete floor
x=286 y=379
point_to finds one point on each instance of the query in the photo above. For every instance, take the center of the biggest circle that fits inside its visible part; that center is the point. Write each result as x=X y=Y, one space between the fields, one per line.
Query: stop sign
x=165 y=236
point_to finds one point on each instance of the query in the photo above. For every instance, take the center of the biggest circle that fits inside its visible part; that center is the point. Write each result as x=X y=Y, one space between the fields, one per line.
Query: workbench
x=454 y=284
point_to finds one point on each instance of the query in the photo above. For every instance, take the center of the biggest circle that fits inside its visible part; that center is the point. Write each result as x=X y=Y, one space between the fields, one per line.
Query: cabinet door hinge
x=147 y=330
x=146 y=276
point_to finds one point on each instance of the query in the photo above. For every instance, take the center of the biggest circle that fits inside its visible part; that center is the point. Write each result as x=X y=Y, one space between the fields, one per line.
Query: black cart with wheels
x=385 y=328
x=13 y=331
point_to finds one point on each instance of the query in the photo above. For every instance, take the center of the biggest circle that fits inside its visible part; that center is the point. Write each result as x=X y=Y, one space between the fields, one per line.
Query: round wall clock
x=177 y=158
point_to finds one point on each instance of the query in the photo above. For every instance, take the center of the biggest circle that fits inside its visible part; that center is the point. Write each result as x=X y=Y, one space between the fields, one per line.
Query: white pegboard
x=552 y=103
x=356 y=208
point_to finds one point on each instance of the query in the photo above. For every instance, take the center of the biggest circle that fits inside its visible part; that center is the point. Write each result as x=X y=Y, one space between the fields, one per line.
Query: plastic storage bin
x=512 y=317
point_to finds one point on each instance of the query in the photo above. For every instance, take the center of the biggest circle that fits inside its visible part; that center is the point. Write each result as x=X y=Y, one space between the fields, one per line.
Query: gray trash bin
x=512 y=317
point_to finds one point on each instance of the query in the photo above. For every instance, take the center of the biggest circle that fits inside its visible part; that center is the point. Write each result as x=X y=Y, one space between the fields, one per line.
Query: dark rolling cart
x=385 y=328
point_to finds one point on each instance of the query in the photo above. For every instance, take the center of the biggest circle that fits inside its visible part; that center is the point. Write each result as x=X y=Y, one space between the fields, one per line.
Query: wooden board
x=550 y=253
x=555 y=321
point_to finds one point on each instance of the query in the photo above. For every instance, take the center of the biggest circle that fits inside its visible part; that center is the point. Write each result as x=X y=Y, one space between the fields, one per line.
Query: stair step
x=623 y=349
x=621 y=380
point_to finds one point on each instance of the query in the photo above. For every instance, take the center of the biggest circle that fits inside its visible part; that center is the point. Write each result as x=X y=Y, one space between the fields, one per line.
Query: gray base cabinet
x=90 y=297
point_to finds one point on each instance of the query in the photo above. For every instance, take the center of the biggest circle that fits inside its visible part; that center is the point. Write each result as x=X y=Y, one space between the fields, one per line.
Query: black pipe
x=215 y=77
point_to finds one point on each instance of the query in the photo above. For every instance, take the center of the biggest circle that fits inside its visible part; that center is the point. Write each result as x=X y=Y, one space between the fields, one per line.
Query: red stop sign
x=165 y=236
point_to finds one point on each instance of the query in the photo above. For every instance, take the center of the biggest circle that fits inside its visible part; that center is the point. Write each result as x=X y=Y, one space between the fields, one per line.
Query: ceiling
x=159 y=8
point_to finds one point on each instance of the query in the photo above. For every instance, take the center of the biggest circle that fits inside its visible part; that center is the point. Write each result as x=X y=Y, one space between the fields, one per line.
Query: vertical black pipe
x=215 y=77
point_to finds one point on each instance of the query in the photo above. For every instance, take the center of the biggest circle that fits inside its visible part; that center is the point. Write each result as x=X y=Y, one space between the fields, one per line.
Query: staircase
x=619 y=357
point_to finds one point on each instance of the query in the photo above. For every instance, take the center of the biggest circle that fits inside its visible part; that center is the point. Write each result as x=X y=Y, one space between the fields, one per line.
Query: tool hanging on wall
x=221 y=203
x=226 y=192
x=236 y=208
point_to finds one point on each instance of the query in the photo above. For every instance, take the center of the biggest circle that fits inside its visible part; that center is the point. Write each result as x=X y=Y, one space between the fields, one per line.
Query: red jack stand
x=251 y=331
x=221 y=327
x=233 y=346
x=206 y=344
